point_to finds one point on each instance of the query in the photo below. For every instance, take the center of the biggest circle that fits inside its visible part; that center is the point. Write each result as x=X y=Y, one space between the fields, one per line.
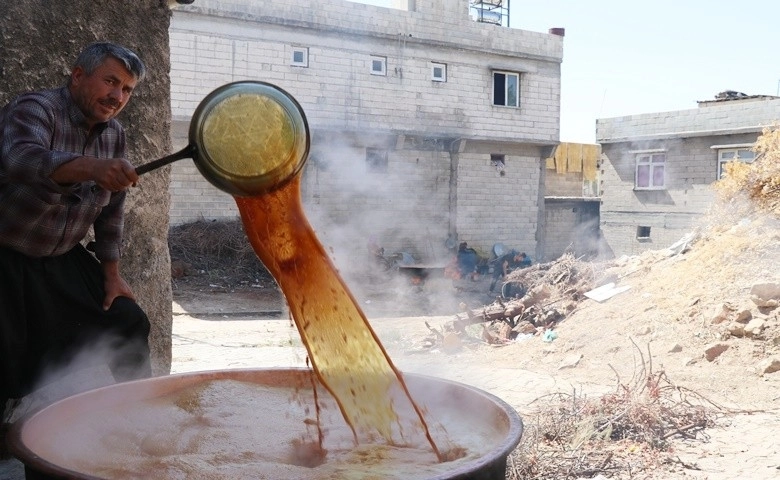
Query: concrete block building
x=426 y=124
x=658 y=169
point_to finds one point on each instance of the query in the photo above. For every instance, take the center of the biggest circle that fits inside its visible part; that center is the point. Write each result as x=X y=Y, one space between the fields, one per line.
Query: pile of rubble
x=548 y=293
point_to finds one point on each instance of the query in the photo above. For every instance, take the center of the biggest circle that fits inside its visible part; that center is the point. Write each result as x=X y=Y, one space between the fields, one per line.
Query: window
x=745 y=155
x=378 y=65
x=438 y=72
x=300 y=57
x=650 y=171
x=643 y=233
x=376 y=160
x=506 y=89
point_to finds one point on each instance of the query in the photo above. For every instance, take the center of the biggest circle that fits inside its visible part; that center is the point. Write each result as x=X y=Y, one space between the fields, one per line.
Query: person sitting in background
x=467 y=259
x=507 y=263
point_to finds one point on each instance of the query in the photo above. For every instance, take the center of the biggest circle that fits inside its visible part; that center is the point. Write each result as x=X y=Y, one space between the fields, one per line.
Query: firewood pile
x=551 y=291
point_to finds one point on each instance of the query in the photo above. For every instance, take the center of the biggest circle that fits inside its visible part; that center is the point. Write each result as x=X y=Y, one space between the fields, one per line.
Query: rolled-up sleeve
x=109 y=227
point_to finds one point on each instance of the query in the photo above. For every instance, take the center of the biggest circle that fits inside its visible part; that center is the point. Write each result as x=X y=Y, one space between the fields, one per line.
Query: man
x=62 y=175
x=507 y=263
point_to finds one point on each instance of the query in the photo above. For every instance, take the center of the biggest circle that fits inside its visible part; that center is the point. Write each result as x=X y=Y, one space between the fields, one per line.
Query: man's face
x=104 y=93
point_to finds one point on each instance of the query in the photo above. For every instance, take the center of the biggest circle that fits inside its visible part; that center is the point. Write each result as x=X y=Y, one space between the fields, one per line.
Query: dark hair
x=95 y=54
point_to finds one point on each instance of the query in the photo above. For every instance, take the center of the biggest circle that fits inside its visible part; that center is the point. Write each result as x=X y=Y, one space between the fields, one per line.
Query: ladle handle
x=186 y=152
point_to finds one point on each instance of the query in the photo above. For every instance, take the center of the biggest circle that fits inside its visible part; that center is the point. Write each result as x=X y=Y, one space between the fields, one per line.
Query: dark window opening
x=506 y=89
x=376 y=160
x=499 y=94
x=643 y=233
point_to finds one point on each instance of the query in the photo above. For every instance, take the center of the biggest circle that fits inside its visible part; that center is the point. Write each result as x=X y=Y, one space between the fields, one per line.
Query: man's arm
x=115 y=285
x=112 y=174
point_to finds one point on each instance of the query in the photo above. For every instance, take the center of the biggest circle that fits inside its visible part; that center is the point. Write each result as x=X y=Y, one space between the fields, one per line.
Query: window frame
x=498 y=161
x=501 y=93
x=303 y=63
x=643 y=233
x=382 y=61
x=646 y=159
x=443 y=76
x=735 y=150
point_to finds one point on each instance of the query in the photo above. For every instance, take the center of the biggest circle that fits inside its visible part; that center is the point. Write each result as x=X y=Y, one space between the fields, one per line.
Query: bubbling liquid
x=226 y=428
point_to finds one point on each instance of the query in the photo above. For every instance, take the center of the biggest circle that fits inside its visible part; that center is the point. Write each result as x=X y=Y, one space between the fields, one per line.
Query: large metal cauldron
x=30 y=439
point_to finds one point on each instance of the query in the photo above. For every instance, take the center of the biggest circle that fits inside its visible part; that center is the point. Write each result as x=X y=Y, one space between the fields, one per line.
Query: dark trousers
x=498 y=273
x=51 y=311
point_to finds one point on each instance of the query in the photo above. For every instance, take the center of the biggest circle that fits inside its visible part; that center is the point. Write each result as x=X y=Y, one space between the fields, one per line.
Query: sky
x=627 y=57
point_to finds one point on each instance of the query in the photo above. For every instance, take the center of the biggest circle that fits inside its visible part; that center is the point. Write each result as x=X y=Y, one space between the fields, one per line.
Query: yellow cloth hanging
x=590 y=161
x=561 y=157
x=574 y=162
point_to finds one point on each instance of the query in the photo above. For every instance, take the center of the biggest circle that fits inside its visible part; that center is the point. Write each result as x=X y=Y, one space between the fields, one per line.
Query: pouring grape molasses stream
x=251 y=140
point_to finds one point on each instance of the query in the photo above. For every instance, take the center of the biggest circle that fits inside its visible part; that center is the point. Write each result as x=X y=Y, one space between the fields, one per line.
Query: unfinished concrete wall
x=40 y=40
x=420 y=124
x=499 y=203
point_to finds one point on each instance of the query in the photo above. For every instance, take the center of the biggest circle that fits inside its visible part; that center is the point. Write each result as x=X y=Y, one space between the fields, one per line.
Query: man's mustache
x=110 y=103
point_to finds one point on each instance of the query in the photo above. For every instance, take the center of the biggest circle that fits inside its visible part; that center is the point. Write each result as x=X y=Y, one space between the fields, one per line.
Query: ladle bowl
x=246 y=138
x=55 y=441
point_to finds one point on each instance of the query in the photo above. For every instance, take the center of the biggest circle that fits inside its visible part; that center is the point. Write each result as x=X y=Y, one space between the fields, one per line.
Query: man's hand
x=112 y=174
x=115 y=285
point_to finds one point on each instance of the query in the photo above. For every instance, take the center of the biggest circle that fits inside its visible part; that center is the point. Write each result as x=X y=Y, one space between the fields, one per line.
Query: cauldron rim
x=491 y=460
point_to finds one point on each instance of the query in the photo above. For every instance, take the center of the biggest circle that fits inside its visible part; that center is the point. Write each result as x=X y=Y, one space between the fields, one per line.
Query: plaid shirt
x=40 y=131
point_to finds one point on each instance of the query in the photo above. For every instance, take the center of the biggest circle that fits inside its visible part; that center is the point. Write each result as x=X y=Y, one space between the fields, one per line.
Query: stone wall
x=499 y=208
x=722 y=118
x=40 y=40
x=563 y=184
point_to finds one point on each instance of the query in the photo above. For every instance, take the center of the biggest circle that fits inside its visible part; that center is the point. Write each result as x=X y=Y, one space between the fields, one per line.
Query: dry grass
x=619 y=435
x=215 y=252
x=758 y=182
